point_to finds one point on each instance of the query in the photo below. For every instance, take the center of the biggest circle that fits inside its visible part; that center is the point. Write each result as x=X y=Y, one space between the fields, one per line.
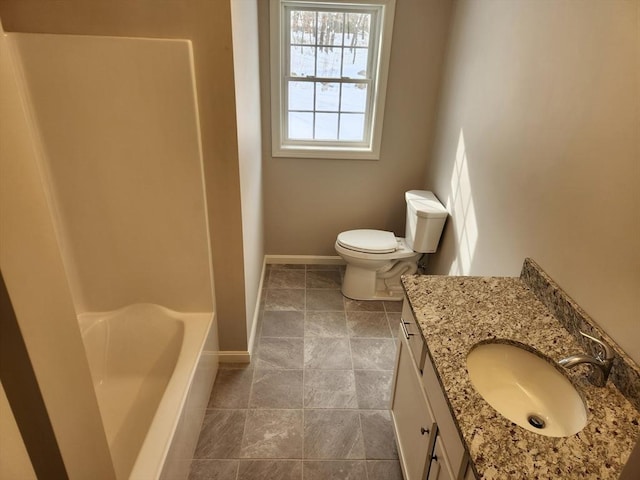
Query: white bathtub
x=152 y=370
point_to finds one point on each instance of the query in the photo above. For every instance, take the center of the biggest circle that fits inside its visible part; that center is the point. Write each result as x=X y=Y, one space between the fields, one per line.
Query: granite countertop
x=455 y=313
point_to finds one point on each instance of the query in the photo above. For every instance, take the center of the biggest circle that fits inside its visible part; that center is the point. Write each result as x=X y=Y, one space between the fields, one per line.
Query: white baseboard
x=300 y=259
x=256 y=311
x=234 y=356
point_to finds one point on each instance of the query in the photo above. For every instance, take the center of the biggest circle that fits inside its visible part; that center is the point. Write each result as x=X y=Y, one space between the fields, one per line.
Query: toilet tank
x=425 y=221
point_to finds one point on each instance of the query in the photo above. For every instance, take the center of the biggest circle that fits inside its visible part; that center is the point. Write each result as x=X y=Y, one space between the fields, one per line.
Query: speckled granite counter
x=455 y=313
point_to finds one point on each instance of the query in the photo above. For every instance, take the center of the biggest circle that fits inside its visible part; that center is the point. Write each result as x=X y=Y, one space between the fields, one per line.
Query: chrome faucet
x=600 y=364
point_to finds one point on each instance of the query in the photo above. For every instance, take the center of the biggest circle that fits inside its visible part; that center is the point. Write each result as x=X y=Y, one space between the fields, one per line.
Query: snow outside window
x=329 y=64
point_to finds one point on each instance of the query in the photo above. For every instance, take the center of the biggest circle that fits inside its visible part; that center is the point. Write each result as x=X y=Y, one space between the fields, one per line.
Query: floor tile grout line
x=364 y=446
x=355 y=386
x=246 y=420
x=238 y=469
x=304 y=349
x=388 y=324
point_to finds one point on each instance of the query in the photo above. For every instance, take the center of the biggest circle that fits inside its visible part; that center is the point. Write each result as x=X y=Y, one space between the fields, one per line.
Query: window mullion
x=315 y=74
x=344 y=22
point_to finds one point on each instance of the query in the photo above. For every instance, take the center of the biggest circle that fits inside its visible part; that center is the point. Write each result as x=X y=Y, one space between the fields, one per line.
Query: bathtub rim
x=155 y=447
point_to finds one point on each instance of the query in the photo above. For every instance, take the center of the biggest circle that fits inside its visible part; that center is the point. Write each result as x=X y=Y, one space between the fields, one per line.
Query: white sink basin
x=527 y=389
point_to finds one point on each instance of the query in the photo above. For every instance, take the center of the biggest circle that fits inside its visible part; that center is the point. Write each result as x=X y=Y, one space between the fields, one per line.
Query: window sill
x=327 y=153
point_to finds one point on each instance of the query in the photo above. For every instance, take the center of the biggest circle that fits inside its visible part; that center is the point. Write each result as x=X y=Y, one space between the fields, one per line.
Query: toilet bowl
x=373 y=269
x=376 y=259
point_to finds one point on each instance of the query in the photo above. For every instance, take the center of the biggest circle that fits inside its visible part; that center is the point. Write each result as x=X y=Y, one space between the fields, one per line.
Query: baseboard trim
x=301 y=259
x=256 y=311
x=231 y=356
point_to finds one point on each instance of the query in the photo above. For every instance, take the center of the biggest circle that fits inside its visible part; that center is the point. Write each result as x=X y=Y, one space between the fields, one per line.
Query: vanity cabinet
x=429 y=445
x=414 y=423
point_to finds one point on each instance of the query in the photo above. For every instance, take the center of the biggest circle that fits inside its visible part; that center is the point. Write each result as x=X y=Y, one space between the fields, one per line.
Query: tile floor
x=313 y=404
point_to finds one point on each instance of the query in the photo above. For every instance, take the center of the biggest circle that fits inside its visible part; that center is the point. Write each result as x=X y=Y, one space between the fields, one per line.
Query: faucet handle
x=605 y=352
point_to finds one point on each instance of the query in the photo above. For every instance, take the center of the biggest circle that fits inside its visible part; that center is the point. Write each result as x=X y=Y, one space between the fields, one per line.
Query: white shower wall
x=119 y=127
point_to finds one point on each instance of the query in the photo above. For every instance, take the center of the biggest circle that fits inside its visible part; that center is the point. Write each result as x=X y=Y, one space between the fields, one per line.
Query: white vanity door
x=414 y=423
x=440 y=468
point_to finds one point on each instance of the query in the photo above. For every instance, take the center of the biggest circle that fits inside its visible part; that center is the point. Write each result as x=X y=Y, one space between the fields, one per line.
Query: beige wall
x=244 y=14
x=207 y=24
x=309 y=201
x=538 y=150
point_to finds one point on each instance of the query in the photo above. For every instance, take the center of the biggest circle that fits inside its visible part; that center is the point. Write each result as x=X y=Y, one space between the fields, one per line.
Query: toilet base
x=366 y=284
x=395 y=297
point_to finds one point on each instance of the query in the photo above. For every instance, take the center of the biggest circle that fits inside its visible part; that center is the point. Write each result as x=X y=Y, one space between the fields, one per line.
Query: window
x=329 y=64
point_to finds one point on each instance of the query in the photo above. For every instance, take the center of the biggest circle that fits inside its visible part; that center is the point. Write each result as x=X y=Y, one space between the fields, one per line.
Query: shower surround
x=116 y=127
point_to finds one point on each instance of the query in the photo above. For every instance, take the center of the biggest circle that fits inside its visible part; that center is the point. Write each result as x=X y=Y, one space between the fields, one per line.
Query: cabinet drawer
x=411 y=331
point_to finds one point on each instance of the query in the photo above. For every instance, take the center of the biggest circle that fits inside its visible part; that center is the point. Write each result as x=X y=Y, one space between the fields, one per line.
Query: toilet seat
x=403 y=251
x=368 y=241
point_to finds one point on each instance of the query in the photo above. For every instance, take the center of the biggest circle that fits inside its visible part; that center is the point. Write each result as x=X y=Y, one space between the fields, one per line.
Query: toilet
x=376 y=258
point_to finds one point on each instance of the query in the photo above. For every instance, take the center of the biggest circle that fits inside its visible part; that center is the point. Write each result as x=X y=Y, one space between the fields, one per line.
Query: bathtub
x=152 y=369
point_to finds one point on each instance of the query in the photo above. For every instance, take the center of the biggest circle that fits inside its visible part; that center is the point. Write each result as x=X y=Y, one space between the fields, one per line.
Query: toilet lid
x=369 y=241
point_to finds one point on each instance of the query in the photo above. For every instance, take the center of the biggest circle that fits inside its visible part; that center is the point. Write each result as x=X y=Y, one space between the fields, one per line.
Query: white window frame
x=379 y=57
